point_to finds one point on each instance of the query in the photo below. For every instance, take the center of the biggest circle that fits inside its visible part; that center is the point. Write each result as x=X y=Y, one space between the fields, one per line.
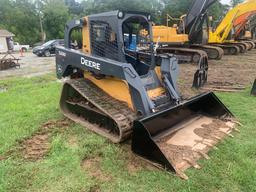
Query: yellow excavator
x=177 y=39
x=117 y=86
x=223 y=35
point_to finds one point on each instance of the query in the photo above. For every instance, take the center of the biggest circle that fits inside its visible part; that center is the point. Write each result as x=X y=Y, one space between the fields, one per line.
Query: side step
x=175 y=139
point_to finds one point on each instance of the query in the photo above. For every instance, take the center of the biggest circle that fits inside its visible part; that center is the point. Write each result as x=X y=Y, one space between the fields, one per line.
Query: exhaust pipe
x=176 y=138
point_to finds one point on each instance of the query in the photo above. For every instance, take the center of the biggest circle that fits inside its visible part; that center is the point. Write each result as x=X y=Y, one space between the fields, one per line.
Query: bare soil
x=95 y=188
x=231 y=73
x=92 y=166
x=37 y=146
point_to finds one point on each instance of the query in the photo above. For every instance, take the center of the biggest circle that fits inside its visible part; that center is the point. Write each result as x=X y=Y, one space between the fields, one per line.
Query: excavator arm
x=220 y=35
x=195 y=18
x=241 y=22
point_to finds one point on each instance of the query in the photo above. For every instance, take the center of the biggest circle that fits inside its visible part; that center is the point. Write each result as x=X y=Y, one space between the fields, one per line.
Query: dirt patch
x=63 y=123
x=230 y=74
x=72 y=141
x=92 y=166
x=37 y=146
x=211 y=131
x=95 y=188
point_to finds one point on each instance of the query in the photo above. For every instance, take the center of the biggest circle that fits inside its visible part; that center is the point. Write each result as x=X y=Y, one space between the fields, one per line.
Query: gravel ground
x=30 y=66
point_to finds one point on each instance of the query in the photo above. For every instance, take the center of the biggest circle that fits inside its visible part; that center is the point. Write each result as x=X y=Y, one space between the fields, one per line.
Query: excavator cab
x=119 y=88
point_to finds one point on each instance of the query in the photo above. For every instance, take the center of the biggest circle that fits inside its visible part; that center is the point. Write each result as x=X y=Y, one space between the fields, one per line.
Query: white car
x=18 y=47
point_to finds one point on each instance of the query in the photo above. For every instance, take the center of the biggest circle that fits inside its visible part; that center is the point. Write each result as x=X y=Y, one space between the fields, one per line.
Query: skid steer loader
x=118 y=92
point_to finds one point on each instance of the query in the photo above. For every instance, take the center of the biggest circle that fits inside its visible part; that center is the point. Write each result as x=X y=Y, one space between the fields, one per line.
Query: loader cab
x=123 y=37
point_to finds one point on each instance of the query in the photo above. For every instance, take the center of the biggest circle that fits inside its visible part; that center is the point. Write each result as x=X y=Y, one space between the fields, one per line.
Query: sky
x=225 y=1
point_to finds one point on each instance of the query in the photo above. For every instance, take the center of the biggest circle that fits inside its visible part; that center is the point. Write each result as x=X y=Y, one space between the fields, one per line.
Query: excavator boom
x=221 y=33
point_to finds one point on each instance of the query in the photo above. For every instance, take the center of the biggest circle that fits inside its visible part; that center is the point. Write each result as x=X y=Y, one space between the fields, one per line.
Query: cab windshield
x=136 y=34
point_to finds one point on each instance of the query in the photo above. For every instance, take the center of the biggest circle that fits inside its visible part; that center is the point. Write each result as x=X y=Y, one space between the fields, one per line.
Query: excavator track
x=228 y=49
x=213 y=52
x=193 y=55
x=85 y=103
x=244 y=47
x=251 y=44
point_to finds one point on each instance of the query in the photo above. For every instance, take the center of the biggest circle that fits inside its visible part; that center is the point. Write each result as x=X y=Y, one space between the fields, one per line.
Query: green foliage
x=235 y=2
x=97 y=6
x=55 y=17
x=20 y=18
x=23 y=17
x=175 y=8
x=217 y=10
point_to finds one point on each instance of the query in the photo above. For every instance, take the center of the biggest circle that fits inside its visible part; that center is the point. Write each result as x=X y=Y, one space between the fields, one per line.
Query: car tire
x=47 y=53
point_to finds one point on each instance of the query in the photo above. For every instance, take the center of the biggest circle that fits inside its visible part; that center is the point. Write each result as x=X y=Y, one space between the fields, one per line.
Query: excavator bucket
x=176 y=138
x=253 y=91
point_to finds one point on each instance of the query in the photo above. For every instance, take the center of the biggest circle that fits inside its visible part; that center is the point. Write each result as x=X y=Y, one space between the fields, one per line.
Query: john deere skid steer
x=119 y=88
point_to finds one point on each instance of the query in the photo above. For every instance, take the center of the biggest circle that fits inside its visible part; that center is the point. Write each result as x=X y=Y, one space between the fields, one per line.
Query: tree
x=97 y=6
x=175 y=8
x=19 y=17
x=217 y=11
x=235 y=2
x=55 y=17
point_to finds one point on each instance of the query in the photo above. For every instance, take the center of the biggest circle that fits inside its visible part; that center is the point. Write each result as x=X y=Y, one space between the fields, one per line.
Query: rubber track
x=227 y=47
x=208 y=48
x=185 y=50
x=114 y=109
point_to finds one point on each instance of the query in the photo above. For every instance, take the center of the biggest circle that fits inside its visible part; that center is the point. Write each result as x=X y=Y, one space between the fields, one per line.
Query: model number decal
x=90 y=64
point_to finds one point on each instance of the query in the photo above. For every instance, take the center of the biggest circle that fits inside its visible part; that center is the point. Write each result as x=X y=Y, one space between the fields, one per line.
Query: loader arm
x=220 y=35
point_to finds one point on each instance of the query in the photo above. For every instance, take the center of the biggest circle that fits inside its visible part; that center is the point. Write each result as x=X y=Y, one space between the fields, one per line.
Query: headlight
x=120 y=15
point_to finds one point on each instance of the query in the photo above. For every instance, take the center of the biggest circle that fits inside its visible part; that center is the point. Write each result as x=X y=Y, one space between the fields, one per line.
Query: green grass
x=28 y=103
